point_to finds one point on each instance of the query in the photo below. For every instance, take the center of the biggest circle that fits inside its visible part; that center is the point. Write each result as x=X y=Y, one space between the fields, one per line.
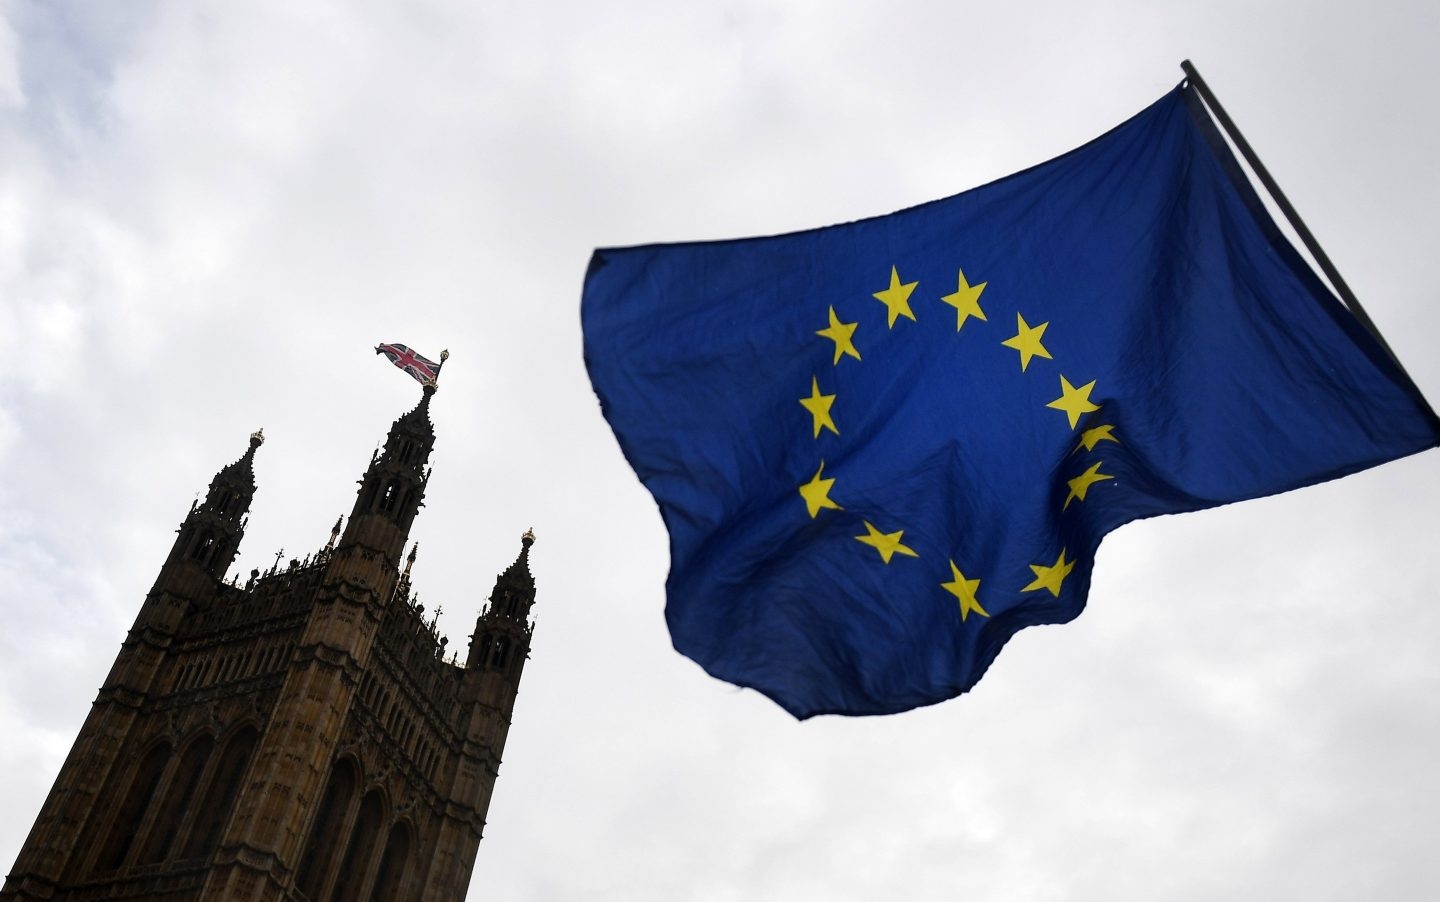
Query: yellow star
x=819 y=407
x=1050 y=577
x=1074 y=401
x=841 y=334
x=816 y=493
x=964 y=590
x=1081 y=484
x=896 y=298
x=1092 y=437
x=1027 y=342
x=887 y=543
x=966 y=301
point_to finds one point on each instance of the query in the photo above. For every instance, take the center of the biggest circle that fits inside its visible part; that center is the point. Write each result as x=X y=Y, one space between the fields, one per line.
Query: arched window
x=203 y=547
x=361 y=851
x=390 y=877
x=390 y=498
x=177 y=802
x=219 y=796
x=325 y=841
x=136 y=800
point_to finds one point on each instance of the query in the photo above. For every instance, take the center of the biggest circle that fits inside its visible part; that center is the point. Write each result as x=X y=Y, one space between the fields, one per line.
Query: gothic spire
x=517 y=575
x=417 y=421
x=515 y=588
x=240 y=475
x=211 y=533
x=233 y=488
x=393 y=487
x=502 y=631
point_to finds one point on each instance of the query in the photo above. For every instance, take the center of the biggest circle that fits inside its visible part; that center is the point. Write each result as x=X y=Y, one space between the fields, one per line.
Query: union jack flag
x=422 y=369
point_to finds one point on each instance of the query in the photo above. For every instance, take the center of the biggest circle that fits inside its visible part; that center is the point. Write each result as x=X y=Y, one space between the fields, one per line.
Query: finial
x=529 y=538
x=410 y=561
x=334 y=533
x=257 y=438
x=444 y=356
x=429 y=387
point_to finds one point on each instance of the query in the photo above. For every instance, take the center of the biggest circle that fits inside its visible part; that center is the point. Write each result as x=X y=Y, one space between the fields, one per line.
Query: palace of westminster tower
x=298 y=736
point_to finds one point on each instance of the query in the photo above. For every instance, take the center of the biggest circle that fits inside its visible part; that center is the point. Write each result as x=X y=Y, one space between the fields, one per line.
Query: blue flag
x=883 y=448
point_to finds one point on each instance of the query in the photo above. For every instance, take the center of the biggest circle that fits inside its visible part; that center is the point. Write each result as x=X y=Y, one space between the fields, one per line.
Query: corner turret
x=502 y=632
x=210 y=535
x=206 y=544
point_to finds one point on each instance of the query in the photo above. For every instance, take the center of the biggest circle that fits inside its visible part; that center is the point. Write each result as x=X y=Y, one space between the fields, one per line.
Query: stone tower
x=301 y=736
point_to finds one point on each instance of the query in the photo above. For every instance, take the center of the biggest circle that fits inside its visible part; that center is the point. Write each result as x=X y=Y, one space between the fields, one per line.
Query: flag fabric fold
x=883 y=448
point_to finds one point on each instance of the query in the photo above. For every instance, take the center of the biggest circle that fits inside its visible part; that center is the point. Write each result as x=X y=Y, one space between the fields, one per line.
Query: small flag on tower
x=424 y=370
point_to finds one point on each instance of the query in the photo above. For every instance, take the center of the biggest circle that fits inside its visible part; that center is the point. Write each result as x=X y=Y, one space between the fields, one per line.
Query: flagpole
x=1331 y=273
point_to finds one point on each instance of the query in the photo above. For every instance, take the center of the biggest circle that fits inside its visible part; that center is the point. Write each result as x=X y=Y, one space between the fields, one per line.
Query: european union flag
x=883 y=448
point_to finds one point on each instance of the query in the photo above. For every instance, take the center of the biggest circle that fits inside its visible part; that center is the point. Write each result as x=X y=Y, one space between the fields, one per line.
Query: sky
x=210 y=214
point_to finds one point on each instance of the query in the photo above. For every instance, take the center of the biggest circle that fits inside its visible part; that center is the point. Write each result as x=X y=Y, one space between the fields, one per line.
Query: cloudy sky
x=211 y=212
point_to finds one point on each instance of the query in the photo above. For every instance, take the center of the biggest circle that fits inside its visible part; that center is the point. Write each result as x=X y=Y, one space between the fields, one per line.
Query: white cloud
x=209 y=213
x=12 y=93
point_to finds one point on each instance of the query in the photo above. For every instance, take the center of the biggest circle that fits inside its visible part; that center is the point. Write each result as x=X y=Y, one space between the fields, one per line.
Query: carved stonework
x=302 y=737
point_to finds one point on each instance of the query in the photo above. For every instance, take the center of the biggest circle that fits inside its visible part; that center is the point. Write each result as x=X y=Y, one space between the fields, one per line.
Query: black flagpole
x=1331 y=273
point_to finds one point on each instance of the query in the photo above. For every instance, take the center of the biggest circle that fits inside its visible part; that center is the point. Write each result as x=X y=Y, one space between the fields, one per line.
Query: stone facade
x=301 y=736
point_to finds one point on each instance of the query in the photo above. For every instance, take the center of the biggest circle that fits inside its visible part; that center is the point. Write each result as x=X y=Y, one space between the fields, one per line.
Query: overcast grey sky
x=211 y=212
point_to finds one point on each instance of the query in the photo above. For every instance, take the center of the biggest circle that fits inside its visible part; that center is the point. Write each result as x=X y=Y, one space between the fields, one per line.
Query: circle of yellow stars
x=1029 y=343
